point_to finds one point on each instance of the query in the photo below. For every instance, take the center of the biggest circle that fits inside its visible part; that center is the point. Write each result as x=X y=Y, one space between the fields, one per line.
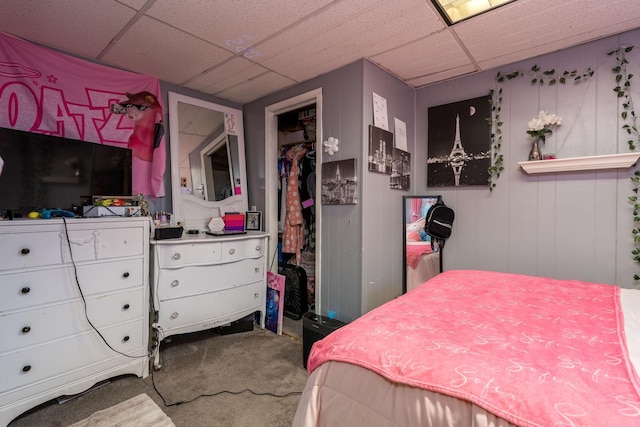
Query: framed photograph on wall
x=253 y=221
x=459 y=143
x=340 y=182
x=380 y=150
x=400 y=170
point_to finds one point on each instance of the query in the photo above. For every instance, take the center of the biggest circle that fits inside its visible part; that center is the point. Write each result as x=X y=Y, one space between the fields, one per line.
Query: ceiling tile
x=233 y=24
x=528 y=28
x=438 y=77
x=230 y=73
x=66 y=25
x=253 y=89
x=135 y=4
x=158 y=50
x=432 y=55
x=344 y=33
x=219 y=46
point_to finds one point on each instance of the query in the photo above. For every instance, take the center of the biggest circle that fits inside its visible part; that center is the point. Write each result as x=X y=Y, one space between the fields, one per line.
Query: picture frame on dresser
x=253 y=221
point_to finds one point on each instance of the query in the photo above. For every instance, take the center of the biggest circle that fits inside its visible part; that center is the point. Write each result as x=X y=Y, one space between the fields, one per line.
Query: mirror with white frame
x=208 y=173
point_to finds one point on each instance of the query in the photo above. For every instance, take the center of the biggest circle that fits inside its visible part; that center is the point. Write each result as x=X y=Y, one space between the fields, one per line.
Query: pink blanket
x=415 y=252
x=534 y=351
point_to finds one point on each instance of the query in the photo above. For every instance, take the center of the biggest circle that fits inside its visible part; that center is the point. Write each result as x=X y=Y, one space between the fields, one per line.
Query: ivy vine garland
x=629 y=120
x=549 y=77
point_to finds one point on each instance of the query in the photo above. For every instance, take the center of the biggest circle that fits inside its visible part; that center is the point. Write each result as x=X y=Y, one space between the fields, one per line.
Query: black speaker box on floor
x=315 y=328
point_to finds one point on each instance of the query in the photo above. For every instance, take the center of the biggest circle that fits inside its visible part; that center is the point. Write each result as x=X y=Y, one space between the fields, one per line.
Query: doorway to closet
x=293 y=134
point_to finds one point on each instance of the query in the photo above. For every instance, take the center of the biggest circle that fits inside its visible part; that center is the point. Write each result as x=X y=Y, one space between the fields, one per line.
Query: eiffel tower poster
x=459 y=143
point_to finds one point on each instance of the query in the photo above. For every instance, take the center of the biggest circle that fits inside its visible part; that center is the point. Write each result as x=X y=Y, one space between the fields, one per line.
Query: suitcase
x=295 y=290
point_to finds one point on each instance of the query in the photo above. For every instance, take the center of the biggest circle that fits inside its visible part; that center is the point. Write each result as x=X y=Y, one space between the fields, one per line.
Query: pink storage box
x=234 y=222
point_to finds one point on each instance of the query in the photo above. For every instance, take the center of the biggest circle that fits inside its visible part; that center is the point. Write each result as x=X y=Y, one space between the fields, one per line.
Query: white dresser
x=200 y=282
x=48 y=346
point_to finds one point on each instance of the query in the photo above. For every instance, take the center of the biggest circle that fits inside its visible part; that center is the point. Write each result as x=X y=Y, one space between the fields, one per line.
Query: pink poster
x=45 y=91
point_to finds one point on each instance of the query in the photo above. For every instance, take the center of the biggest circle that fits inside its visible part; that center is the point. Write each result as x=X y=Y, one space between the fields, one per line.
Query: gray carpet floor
x=204 y=364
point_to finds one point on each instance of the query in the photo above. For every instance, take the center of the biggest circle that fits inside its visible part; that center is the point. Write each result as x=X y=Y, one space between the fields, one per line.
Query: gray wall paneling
x=382 y=216
x=563 y=225
x=341 y=236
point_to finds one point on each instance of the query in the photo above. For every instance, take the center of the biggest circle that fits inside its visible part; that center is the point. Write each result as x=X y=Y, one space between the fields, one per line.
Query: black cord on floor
x=246 y=390
x=181 y=402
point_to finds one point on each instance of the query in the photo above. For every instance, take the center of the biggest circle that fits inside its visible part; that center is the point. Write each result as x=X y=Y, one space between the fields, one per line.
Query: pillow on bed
x=413 y=236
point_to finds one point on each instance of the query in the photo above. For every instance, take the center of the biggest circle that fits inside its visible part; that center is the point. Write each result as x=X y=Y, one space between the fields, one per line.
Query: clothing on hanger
x=293 y=236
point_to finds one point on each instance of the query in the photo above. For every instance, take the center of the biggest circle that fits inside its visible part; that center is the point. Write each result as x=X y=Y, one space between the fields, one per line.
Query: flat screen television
x=48 y=172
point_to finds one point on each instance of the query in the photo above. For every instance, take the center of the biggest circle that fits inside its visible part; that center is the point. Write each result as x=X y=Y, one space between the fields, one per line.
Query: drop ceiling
x=241 y=50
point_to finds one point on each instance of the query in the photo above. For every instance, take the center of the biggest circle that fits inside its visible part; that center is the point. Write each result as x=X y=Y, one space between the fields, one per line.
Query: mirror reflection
x=207 y=160
x=208 y=157
x=421 y=258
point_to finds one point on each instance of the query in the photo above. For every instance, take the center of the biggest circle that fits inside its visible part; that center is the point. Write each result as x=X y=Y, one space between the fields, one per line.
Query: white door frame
x=271 y=113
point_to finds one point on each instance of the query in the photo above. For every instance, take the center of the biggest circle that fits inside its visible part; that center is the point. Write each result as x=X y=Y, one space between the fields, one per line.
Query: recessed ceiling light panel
x=454 y=11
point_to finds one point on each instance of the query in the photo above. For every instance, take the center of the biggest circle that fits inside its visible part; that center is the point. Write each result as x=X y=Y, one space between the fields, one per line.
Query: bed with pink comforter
x=477 y=348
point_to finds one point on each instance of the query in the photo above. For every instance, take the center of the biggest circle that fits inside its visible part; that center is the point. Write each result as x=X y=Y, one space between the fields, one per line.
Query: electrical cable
x=157 y=340
x=182 y=402
x=246 y=390
x=84 y=301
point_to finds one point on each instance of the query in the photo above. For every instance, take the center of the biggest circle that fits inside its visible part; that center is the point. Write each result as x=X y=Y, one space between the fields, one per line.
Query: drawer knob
x=174 y=315
x=125 y=307
x=256 y=295
x=232 y=251
x=175 y=283
x=25 y=251
x=257 y=269
x=258 y=248
x=25 y=290
x=125 y=274
x=26 y=368
x=126 y=338
x=26 y=329
x=176 y=255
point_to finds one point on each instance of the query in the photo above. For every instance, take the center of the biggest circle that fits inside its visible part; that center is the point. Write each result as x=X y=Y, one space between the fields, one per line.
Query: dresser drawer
x=21 y=290
x=49 y=247
x=85 y=354
x=240 y=249
x=176 y=283
x=31 y=327
x=212 y=309
x=181 y=255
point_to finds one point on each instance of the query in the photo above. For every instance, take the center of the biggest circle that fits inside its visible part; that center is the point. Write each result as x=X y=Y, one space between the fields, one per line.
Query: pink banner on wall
x=45 y=91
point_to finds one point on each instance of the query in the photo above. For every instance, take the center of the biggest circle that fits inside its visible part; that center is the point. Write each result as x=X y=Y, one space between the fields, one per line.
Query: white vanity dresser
x=201 y=282
x=58 y=280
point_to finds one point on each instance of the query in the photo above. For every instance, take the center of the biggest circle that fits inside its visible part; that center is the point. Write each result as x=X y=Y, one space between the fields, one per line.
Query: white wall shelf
x=609 y=161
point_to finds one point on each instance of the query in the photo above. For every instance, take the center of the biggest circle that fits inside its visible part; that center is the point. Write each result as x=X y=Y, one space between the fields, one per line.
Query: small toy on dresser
x=112 y=206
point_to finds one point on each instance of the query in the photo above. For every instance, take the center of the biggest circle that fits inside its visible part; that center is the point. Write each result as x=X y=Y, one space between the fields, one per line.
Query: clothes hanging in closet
x=307 y=194
x=293 y=236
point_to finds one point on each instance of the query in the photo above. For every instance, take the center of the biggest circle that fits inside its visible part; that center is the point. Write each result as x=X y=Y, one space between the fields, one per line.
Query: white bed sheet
x=428 y=267
x=341 y=394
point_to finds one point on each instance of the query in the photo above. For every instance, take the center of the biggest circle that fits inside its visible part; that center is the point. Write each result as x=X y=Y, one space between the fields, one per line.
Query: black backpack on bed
x=439 y=221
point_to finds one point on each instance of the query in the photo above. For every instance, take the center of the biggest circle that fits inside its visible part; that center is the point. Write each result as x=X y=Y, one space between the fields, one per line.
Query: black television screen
x=48 y=172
